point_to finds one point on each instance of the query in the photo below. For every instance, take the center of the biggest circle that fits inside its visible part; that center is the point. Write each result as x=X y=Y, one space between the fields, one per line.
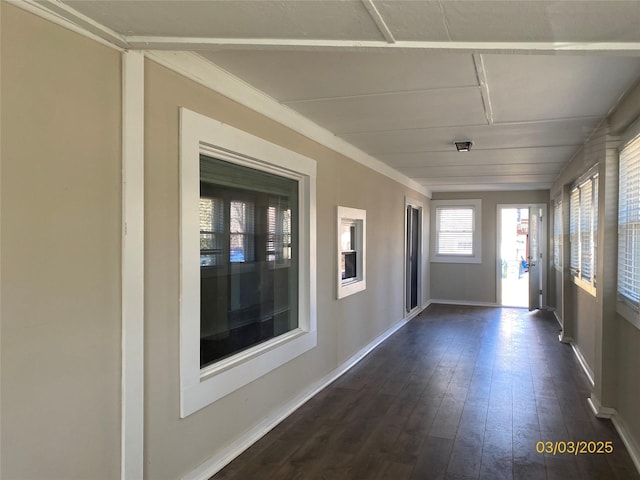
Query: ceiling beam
x=374 y=13
x=217 y=44
x=67 y=17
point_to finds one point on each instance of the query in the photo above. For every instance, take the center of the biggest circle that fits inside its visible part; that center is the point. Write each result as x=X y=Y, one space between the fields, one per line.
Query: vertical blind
x=629 y=225
x=557 y=233
x=454 y=226
x=583 y=228
x=574 y=229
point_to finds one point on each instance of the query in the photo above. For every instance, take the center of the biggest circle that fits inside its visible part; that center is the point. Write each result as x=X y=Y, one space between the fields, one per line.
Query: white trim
x=581 y=360
x=599 y=410
x=69 y=18
x=476 y=205
x=465 y=303
x=628 y=313
x=359 y=219
x=627 y=438
x=417 y=204
x=375 y=15
x=200 y=134
x=219 y=460
x=211 y=76
x=621 y=427
x=132 y=434
x=210 y=43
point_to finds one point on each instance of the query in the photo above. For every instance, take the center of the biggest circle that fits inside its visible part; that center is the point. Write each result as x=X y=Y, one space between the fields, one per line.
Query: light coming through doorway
x=513 y=256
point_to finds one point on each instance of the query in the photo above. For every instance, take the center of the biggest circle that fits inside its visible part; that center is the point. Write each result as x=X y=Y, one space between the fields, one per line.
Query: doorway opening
x=513 y=230
x=413 y=258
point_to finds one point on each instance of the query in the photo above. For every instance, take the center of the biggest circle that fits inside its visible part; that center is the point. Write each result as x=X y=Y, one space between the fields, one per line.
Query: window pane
x=349 y=266
x=629 y=225
x=455 y=231
x=586 y=230
x=248 y=293
x=557 y=233
x=574 y=217
x=211 y=231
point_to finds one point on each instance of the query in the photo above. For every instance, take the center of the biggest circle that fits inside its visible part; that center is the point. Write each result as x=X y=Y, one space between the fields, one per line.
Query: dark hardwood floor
x=458 y=393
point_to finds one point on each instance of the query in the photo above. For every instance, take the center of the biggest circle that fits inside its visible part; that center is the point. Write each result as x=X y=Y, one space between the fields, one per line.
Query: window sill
x=455 y=259
x=628 y=313
x=587 y=287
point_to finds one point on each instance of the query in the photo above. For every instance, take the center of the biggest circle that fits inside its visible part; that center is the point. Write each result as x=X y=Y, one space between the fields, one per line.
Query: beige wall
x=174 y=446
x=60 y=256
x=467 y=282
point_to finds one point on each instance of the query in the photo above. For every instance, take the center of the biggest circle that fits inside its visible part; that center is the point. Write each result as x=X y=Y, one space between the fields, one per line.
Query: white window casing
x=456 y=231
x=583 y=232
x=628 y=286
x=202 y=135
x=351 y=249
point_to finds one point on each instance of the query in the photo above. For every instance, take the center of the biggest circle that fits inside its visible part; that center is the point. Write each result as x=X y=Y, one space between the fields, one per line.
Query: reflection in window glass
x=348 y=266
x=248 y=258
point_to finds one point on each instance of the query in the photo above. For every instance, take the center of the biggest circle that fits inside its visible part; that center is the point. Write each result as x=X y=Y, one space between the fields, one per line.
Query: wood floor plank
x=459 y=393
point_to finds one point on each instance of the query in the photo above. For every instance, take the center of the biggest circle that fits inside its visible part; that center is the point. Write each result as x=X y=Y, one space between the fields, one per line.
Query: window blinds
x=574 y=216
x=455 y=230
x=629 y=225
x=557 y=233
x=586 y=230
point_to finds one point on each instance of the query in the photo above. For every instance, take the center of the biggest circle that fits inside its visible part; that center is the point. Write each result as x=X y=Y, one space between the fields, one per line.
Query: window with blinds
x=557 y=233
x=454 y=230
x=583 y=228
x=629 y=225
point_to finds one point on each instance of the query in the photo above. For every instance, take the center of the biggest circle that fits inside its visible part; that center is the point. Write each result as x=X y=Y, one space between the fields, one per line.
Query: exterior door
x=535 y=258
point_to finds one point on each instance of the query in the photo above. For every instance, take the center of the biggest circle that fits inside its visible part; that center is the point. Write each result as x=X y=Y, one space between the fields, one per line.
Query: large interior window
x=583 y=231
x=248 y=258
x=629 y=229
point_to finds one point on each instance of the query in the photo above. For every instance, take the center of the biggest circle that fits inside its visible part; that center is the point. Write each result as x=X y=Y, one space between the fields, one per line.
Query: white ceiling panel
x=505 y=156
x=411 y=20
x=296 y=75
x=484 y=137
x=543 y=87
x=309 y=19
x=397 y=111
x=390 y=76
x=476 y=180
x=542 y=21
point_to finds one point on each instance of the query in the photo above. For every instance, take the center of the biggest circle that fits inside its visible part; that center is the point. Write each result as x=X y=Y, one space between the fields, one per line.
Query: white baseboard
x=581 y=360
x=621 y=427
x=464 y=303
x=223 y=457
x=629 y=441
x=558 y=319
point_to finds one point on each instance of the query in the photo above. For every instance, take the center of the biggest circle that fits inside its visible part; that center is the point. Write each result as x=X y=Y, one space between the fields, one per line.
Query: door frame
x=410 y=313
x=543 y=248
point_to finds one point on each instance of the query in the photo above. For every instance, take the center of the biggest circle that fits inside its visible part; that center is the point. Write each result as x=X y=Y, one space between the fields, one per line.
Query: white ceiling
x=526 y=81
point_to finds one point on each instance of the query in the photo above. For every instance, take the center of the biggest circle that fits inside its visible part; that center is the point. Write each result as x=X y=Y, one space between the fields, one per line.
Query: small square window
x=351 y=251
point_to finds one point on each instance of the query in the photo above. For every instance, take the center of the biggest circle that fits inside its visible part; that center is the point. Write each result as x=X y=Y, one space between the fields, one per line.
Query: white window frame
x=625 y=306
x=589 y=285
x=357 y=218
x=199 y=134
x=476 y=256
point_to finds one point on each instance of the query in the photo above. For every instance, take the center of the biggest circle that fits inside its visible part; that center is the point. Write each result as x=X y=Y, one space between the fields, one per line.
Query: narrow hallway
x=458 y=393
